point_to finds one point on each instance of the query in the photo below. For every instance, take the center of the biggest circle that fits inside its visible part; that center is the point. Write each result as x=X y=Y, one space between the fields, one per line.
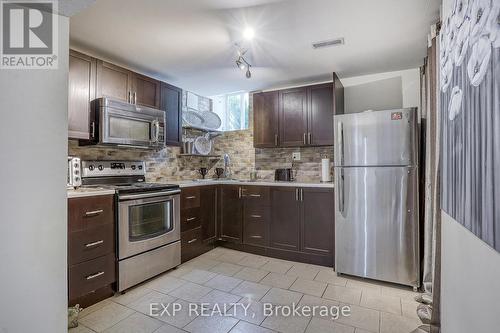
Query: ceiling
x=190 y=43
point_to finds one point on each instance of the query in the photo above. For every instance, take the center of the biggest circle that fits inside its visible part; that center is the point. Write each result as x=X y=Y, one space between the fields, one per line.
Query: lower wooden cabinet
x=279 y=221
x=317 y=232
x=285 y=220
x=231 y=213
x=191 y=244
x=198 y=220
x=91 y=249
x=208 y=202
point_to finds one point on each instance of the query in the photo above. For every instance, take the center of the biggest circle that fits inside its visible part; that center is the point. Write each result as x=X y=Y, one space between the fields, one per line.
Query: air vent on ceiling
x=327 y=43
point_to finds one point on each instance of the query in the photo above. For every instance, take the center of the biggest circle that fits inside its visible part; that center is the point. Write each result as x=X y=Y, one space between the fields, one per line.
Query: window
x=232 y=110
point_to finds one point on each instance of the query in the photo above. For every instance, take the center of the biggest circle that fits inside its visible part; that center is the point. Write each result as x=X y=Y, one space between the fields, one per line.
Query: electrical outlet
x=296 y=156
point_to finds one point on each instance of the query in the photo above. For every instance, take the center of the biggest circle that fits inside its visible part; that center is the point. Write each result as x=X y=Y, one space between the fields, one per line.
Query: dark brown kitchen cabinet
x=285 y=218
x=113 y=82
x=146 y=91
x=171 y=99
x=320 y=115
x=266 y=119
x=304 y=115
x=122 y=84
x=208 y=200
x=82 y=78
x=317 y=221
x=256 y=215
x=231 y=208
x=91 y=249
x=198 y=220
x=293 y=117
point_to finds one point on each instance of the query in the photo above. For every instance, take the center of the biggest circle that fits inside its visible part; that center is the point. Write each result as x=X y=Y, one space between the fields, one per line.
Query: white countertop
x=201 y=182
x=89 y=192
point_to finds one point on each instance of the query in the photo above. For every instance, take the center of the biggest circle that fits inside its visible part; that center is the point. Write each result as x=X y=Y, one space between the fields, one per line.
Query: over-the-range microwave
x=119 y=123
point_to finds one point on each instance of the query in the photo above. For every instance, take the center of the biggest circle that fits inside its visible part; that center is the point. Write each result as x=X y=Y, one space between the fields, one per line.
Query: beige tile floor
x=224 y=276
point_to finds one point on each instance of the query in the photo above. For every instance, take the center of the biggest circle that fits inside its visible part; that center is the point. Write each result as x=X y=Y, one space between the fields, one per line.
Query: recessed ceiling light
x=248 y=33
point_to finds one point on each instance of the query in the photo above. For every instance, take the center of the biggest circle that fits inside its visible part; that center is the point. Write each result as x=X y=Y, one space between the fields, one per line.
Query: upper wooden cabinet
x=91 y=78
x=82 y=78
x=320 y=115
x=293 y=117
x=113 y=82
x=146 y=91
x=171 y=103
x=297 y=117
x=266 y=119
x=120 y=83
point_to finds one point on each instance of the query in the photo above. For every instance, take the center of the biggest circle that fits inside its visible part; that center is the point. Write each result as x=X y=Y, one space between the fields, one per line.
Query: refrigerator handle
x=340 y=130
x=341 y=191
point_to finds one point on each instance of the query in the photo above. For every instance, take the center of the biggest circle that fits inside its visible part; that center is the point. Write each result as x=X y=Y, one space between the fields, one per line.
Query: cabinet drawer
x=255 y=233
x=89 y=212
x=190 y=219
x=190 y=197
x=256 y=226
x=91 y=243
x=258 y=195
x=91 y=275
x=191 y=244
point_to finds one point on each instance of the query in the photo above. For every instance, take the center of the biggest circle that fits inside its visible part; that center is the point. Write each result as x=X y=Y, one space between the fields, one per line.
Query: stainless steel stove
x=148 y=219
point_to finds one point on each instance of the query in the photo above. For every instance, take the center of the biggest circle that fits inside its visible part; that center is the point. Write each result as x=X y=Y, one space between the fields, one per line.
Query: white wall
x=33 y=227
x=470 y=281
x=360 y=87
x=470 y=275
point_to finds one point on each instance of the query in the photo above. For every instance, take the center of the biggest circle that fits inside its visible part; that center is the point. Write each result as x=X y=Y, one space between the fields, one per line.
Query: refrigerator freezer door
x=376 y=138
x=376 y=223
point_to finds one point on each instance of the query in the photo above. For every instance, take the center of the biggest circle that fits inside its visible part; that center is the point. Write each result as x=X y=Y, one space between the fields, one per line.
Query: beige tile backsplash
x=166 y=165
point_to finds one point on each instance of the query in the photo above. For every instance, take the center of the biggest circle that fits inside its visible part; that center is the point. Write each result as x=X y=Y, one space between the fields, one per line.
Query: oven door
x=147 y=221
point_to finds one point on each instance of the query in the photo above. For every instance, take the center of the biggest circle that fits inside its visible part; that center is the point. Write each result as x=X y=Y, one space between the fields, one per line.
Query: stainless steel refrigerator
x=376 y=195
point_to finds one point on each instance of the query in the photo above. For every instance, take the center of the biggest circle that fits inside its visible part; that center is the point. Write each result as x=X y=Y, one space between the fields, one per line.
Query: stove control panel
x=113 y=168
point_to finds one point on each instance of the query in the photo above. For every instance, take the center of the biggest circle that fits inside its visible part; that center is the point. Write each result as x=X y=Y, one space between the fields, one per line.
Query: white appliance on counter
x=148 y=219
x=376 y=191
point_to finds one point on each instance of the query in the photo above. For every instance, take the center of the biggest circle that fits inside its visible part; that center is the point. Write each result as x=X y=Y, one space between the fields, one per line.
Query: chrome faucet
x=227 y=166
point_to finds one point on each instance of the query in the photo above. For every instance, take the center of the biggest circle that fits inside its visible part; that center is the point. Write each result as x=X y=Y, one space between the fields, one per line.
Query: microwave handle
x=156 y=134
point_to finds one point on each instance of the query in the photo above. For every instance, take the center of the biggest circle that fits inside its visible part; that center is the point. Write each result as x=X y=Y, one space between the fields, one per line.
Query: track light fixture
x=242 y=63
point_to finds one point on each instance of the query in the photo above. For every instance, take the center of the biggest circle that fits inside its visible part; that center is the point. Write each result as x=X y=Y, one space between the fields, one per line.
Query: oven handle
x=147 y=195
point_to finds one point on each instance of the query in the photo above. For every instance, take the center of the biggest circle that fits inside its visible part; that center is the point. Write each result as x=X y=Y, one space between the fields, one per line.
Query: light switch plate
x=296 y=156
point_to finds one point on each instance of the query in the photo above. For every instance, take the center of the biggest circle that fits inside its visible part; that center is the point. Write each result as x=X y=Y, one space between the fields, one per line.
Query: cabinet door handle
x=276 y=140
x=94 y=212
x=296 y=194
x=135 y=97
x=305 y=139
x=190 y=219
x=92 y=130
x=239 y=192
x=301 y=194
x=93 y=276
x=192 y=240
x=255 y=195
x=256 y=216
x=191 y=197
x=309 y=138
x=254 y=236
x=130 y=97
x=99 y=242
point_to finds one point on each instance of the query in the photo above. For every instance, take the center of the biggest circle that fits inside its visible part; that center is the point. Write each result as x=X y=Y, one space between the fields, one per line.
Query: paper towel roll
x=325 y=170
